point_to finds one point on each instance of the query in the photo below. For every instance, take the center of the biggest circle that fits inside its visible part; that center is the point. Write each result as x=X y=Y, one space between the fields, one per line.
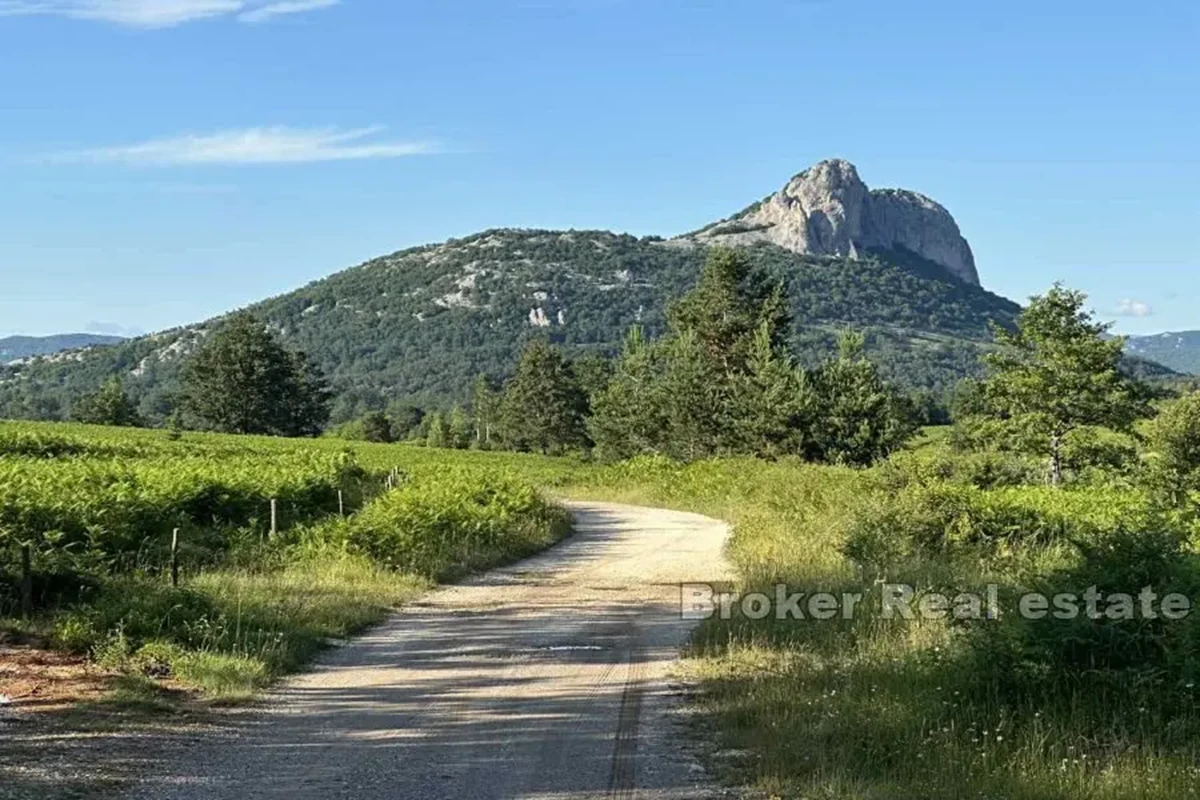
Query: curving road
x=547 y=679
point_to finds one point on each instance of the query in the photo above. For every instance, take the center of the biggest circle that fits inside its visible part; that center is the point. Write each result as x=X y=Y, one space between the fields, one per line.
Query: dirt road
x=547 y=679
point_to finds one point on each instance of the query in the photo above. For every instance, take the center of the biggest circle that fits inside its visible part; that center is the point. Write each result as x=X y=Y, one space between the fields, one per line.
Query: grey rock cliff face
x=828 y=210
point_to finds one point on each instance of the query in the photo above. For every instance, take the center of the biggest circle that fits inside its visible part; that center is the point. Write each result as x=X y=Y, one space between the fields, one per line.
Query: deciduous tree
x=1174 y=439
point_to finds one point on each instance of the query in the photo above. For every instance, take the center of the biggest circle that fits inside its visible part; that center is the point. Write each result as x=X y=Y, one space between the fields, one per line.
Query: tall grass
x=249 y=608
x=872 y=708
x=230 y=632
x=862 y=708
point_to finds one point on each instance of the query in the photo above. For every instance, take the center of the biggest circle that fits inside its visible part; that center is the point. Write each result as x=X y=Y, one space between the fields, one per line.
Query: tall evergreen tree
x=774 y=402
x=308 y=399
x=109 y=405
x=696 y=400
x=244 y=381
x=628 y=414
x=376 y=427
x=543 y=405
x=593 y=374
x=861 y=418
x=721 y=382
x=1059 y=371
x=731 y=301
x=406 y=419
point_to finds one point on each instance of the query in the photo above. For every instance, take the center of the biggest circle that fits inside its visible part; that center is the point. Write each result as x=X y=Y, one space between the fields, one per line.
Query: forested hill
x=1179 y=351
x=422 y=323
x=14 y=348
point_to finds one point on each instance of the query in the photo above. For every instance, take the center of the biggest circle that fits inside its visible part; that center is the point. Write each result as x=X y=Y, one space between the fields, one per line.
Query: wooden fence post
x=341 y=504
x=26 y=581
x=274 y=517
x=175 y=559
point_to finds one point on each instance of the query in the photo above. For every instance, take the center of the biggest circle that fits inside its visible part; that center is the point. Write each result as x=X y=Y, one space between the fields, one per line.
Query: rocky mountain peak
x=828 y=210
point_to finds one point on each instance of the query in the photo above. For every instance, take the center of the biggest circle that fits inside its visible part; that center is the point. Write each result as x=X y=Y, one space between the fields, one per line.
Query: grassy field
x=874 y=708
x=864 y=708
x=97 y=508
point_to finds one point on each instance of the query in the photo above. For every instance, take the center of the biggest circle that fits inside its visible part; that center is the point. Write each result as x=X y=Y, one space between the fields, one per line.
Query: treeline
x=243 y=380
x=721 y=381
x=386 y=330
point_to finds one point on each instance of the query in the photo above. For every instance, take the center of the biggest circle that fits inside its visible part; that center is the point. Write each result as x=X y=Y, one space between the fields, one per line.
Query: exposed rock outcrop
x=828 y=210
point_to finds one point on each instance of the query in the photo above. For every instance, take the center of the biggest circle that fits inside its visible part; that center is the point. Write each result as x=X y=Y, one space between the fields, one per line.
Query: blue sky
x=163 y=161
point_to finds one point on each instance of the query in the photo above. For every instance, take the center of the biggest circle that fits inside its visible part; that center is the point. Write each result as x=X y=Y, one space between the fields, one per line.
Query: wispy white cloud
x=1134 y=308
x=276 y=145
x=272 y=10
x=161 y=13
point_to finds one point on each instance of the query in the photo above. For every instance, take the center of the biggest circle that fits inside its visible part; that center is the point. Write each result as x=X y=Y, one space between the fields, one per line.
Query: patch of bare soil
x=71 y=730
x=34 y=679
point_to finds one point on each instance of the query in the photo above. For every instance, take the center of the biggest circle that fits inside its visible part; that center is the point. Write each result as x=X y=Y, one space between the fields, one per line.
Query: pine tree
x=696 y=400
x=860 y=417
x=110 y=405
x=775 y=402
x=406 y=420
x=717 y=383
x=1059 y=371
x=244 y=381
x=628 y=414
x=733 y=323
x=543 y=405
x=731 y=301
x=306 y=400
x=376 y=427
x=594 y=374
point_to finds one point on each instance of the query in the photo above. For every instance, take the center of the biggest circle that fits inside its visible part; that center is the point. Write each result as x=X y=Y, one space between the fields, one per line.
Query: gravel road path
x=548 y=679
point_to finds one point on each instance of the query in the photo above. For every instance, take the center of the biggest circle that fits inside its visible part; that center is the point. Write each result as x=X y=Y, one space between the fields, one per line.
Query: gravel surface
x=549 y=679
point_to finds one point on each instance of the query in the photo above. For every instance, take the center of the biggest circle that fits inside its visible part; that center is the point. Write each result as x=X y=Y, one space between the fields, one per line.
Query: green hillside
x=420 y=324
x=1179 y=351
x=14 y=348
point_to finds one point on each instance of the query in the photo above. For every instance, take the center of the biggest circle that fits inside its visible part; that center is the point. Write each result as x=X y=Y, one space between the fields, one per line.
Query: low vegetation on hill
x=1179 y=351
x=420 y=325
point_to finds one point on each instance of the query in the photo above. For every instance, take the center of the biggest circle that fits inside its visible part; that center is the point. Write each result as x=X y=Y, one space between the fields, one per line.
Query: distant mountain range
x=15 y=348
x=420 y=325
x=1179 y=351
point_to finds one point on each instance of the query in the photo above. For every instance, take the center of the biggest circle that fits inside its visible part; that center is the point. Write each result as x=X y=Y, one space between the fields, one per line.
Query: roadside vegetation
x=1060 y=476
x=95 y=511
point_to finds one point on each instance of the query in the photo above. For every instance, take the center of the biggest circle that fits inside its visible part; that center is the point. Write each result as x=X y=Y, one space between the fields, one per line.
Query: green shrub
x=1097 y=455
x=1174 y=441
x=156 y=659
x=452 y=520
x=984 y=469
x=1143 y=654
x=940 y=519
